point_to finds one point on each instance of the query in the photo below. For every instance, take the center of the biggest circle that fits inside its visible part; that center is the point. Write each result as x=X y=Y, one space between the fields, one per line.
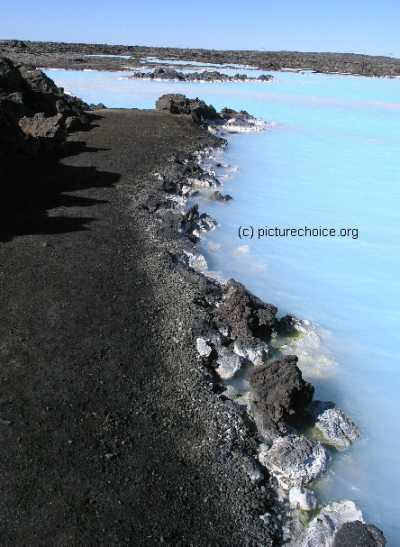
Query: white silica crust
x=321 y=530
x=295 y=461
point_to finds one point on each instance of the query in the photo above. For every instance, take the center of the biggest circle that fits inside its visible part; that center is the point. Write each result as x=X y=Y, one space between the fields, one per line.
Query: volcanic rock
x=295 y=461
x=280 y=391
x=243 y=314
x=180 y=104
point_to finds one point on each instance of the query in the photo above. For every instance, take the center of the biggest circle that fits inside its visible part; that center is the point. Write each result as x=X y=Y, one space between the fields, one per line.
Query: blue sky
x=360 y=26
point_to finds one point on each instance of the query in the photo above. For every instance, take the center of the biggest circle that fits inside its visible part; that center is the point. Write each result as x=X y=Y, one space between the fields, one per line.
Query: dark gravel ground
x=111 y=432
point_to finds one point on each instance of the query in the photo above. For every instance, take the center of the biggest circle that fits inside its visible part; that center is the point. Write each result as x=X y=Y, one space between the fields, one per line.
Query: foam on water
x=332 y=161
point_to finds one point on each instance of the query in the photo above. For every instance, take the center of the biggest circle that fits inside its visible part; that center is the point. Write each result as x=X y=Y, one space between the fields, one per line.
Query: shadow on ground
x=32 y=187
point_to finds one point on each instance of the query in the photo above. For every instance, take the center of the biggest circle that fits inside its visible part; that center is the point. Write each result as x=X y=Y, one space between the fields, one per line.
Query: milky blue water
x=331 y=161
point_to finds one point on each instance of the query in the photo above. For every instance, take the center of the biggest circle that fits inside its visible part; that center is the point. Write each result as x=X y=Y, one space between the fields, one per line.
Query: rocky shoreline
x=243 y=471
x=239 y=329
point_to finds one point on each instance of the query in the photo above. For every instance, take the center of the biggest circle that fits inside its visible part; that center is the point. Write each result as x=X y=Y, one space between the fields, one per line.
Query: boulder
x=243 y=314
x=180 y=104
x=281 y=394
x=45 y=128
x=356 y=533
x=295 y=461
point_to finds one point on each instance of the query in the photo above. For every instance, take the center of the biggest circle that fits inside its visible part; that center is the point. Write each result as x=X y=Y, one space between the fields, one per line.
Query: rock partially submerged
x=281 y=393
x=336 y=428
x=244 y=315
x=227 y=120
x=252 y=349
x=228 y=363
x=176 y=103
x=295 y=461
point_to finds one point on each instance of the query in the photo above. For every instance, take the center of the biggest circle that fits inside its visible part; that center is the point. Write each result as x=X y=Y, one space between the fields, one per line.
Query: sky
x=346 y=26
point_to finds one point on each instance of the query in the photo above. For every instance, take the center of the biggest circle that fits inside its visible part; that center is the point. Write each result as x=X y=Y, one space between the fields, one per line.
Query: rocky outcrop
x=35 y=114
x=180 y=104
x=208 y=76
x=227 y=120
x=217 y=196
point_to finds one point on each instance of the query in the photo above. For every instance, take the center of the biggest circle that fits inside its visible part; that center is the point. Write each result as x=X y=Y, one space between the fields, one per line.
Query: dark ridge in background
x=72 y=56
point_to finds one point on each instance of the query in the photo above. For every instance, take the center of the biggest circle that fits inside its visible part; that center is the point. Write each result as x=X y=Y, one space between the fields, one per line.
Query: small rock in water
x=295 y=461
x=302 y=498
x=217 y=196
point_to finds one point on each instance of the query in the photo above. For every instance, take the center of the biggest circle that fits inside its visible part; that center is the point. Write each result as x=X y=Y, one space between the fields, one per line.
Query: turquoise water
x=331 y=160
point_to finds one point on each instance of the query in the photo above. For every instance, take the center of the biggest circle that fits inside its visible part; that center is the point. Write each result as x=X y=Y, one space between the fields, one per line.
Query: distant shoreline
x=88 y=56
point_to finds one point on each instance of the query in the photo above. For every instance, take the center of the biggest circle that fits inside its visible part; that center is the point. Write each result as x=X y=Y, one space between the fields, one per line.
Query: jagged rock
x=242 y=125
x=206 y=223
x=287 y=324
x=265 y=78
x=233 y=121
x=170 y=74
x=180 y=104
x=252 y=349
x=194 y=223
x=34 y=113
x=243 y=314
x=41 y=127
x=217 y=196
x=99 y=106
x=353 y=534
x=302 y=498
x=228 y=363
x=281 y=394
x=295 y=461
x=334 y=425
x=325 y=525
